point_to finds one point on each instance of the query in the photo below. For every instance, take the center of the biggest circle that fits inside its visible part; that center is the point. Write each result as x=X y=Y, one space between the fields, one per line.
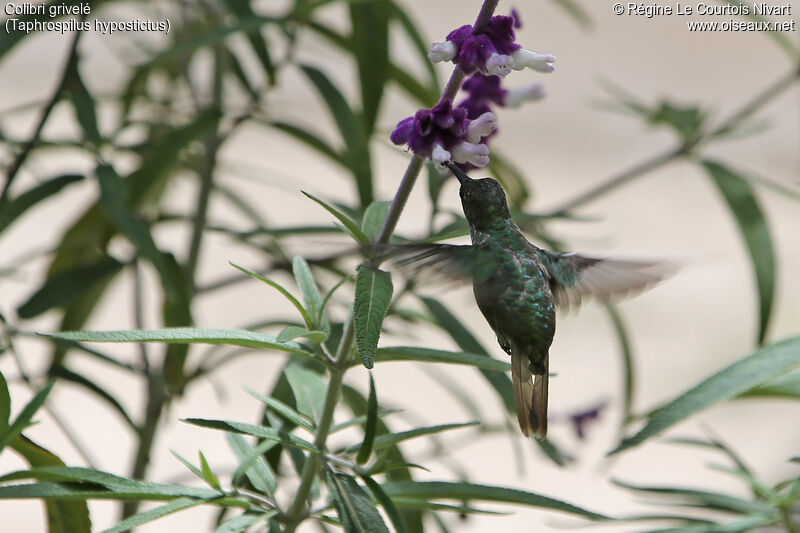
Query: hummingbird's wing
x=574 y=277
x=436 y=263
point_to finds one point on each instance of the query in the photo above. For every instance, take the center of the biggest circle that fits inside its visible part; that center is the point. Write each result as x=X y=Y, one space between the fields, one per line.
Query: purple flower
x=488 y=52
x=443 y=133
x=483 y=90
x=581 y=420
x=517 y=19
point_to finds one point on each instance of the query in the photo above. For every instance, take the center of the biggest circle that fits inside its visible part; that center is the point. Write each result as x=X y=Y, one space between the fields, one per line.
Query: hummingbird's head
x=483 y=200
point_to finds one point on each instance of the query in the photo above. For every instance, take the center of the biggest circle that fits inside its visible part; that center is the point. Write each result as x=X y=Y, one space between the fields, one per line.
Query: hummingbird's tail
x=530 y=395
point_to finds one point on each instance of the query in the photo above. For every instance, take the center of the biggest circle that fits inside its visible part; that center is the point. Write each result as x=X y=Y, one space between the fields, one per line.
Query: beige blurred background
x=682 y=331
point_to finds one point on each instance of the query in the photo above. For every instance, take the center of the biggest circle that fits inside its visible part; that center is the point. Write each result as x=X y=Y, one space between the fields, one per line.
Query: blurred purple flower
x=583 y=419
x=517 y=19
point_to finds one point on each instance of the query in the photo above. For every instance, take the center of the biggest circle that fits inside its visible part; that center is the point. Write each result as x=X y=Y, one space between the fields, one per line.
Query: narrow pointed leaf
x=370 y=37
x=743 y=375
x=427 y=355
x=371 y=424
x=254 y=430
x=753 y=226
x=294 y=332
x=386 y=502
x=16 y=207
x=178 y=504
x=24 y=418
x=346 y=221
x=374 y=217
x=256 y=469
x=391 y=439
x=310 y=140
x=785 y=386
x=282 y=409
x=241 y=523
x=310 y=291
x=208 y=475
x=443 y=490
x=5 y=404
x=286 y=294
x=706 y=499
x=373 y=295
x=233 y=337
x=354 y=507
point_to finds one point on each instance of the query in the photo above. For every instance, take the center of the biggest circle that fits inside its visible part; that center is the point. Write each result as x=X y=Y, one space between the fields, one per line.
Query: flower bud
x=515 y=97
x=476 y=154
x=442 y=51
x=540 y=62
x=481 y=127
x=439 y=155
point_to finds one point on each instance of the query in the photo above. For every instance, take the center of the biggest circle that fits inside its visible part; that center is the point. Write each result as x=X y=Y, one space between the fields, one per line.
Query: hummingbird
x=518 y=287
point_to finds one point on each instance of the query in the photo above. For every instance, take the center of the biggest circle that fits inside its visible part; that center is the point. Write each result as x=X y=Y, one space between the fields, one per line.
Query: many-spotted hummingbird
x=518 y=286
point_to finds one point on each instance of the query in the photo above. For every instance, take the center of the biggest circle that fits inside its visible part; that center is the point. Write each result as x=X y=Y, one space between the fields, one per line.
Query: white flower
x=439 y=156
x=515 y=97
x=540 y=62
x=442 y=51
x=481 y=127
x=477 y=154
x=498 y=65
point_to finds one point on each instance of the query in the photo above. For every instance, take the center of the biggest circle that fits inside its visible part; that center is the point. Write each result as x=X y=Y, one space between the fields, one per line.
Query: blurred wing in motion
x=440 y=263
x=575 y=277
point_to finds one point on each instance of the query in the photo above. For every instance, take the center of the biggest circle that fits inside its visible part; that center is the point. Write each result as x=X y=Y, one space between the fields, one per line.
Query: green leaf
x=63 y=373
x=731 y=381
x=309 y=390
x=253 y=465
x=310 y=140
x=286 y=294
x=14 y=208
x=257 y=42
x=63 y=288
x=62 y=516
x=427 y=355
x=627 y=362
x=233 y=337
x=23 y=420
x=352 y=228
x=240 y=524
x=294 y=332
x=178 y=504
x=356 y=511
x=373 y=220
x=257 y=431
x=705 y=499
x=392 y=439
x=188 y=464
x=371 y=424
x=511 y=179
x=5 y=404
x=84 y=106
x=282 y=409
x=310 y=291
x=373 y=295
x=785 y=386
x=436 y=490
x=387 y=503
x=350 y=129
x=370 y=41
x=755 y=232
x=208 y=475
x=421 y=47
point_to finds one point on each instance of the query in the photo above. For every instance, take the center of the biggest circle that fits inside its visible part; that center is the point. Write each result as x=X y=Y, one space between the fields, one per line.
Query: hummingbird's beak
x=459 y=174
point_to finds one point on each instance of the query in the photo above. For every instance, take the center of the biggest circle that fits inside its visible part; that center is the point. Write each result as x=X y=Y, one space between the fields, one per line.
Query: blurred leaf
x=233 y=337
x=61 y=372
x=785 y=386
x=350 y=129
x=370 y=37
x=705 y=499
x=240 y=524
x=5 y=404
x=420 y=45
x=84 y=106
x=23 y=420
x=256 y=431
x=310 y=291
x=373 y=220
x=14 y=208
x=356 y=511
x=746 y=373
x=351 y=227
x=789 y=46
x=253 y=465
x=286 y=294
x=373 y=295
x=309 y=390
x=68 y=285
x=510 y=178
x=391 y=439
x=282 y=409
x=687 y=121
x=435 y=490
x=576 y=11
x=188 y=464
x=370 y=424
x=755 y=232
x=245 y=13
x=178 y=504
x=9 y=39
x=386 y=502
x=626 y=352
x=310 y=140
x=427 y=355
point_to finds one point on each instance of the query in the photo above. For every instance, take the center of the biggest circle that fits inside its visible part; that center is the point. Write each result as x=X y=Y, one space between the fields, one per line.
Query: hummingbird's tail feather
x=530 y=396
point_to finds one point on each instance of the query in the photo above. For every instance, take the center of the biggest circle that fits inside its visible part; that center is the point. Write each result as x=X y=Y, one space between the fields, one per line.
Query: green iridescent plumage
x=518 y=286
